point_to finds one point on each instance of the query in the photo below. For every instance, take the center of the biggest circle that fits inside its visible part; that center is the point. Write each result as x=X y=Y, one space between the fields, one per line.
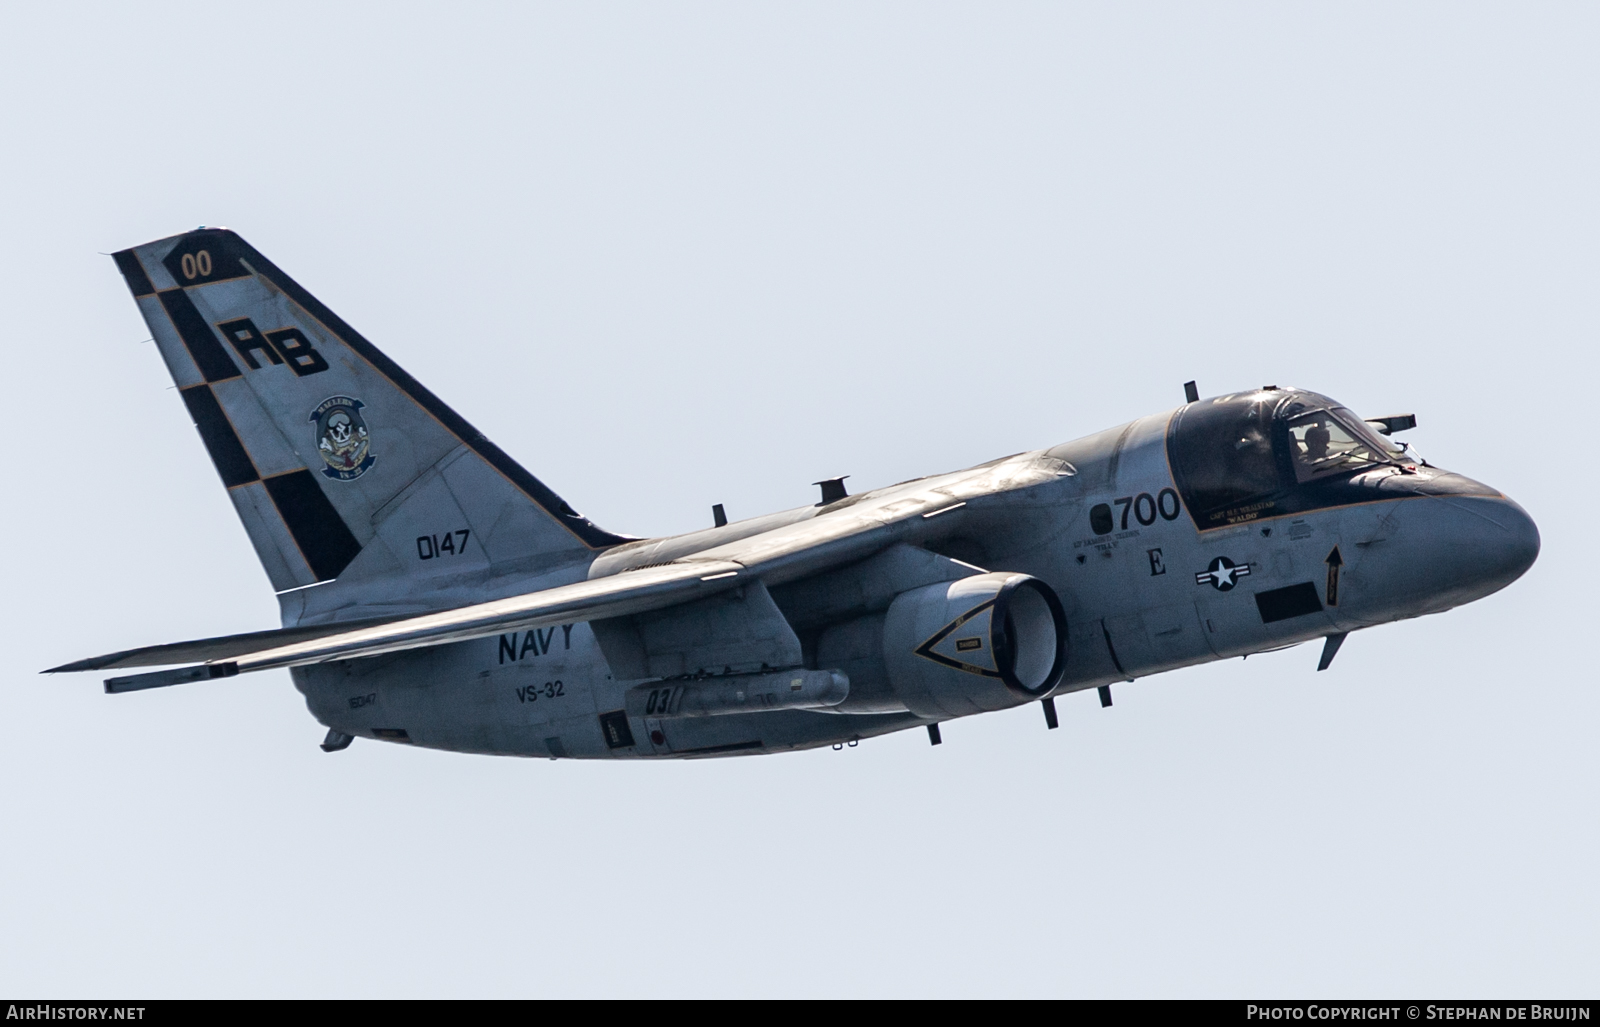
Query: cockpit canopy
x=1247 y=455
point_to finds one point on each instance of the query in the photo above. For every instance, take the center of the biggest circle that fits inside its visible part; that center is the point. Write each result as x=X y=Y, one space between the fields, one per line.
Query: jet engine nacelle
x=982 y=643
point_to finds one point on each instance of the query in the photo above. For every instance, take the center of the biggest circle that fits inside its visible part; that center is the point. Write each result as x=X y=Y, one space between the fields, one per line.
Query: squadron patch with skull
x=342 y=438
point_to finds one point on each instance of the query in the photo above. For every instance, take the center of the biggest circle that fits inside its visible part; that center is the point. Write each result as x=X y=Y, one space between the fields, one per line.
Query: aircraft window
x=1223 y=449
x=1323 y=444
x=1385 y=445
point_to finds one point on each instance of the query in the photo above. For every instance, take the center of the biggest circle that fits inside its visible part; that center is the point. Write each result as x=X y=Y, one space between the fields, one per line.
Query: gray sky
x=672 y=255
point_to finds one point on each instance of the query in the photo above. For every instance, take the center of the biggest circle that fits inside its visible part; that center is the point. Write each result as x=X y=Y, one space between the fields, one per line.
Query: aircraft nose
x=1482 y=545
x=1520 y=547
x=1462 y=543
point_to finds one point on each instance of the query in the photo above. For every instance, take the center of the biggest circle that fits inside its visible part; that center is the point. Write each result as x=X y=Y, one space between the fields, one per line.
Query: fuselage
x=1231 y=526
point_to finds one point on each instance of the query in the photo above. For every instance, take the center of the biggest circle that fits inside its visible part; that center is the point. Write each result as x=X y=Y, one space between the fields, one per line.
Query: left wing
x=635 y=591
x=637 y=578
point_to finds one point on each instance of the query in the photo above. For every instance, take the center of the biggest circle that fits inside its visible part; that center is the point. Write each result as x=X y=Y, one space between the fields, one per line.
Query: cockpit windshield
x=1327 y=442
x=1241 y=457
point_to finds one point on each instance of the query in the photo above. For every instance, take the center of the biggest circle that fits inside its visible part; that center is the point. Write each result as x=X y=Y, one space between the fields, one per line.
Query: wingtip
x=77 y=665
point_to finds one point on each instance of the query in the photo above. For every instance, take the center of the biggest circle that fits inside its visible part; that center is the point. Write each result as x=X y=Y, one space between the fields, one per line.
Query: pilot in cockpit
x=1322 y=444
x=1317 y=439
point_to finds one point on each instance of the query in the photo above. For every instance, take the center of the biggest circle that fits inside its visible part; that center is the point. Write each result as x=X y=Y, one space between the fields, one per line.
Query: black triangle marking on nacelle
x=925 y=650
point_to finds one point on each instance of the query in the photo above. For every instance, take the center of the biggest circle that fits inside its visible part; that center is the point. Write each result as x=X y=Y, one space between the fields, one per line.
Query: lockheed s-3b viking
x=433 y=592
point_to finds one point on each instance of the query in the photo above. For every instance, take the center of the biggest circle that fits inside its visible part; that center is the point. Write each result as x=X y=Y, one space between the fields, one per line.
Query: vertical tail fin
x=339 y=463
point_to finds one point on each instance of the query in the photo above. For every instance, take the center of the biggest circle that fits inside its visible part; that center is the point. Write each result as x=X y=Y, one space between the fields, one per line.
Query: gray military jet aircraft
x=435 y=593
